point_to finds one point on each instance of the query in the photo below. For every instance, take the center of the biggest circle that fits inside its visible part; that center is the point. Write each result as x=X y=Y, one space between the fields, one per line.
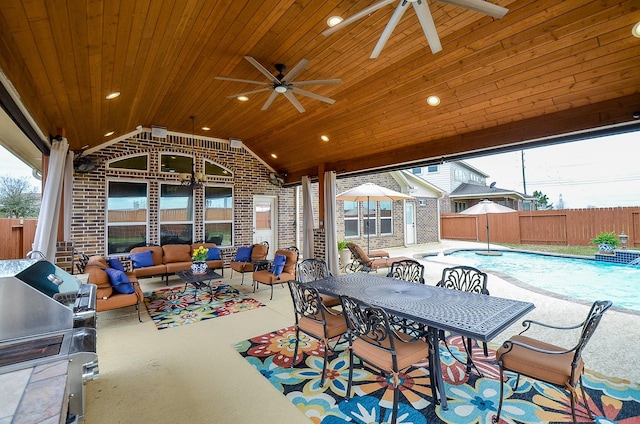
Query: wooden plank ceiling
x=548 y=67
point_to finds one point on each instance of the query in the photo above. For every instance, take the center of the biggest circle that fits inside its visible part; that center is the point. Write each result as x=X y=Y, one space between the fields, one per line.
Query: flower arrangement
x=200 y=254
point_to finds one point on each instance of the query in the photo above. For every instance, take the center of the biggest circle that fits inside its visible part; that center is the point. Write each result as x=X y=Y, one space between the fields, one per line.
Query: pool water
x=583 y=279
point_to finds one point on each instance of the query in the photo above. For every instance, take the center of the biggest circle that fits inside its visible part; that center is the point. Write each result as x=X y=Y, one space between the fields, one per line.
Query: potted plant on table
x=606 y=242
x=199 y=257
x=344 y=252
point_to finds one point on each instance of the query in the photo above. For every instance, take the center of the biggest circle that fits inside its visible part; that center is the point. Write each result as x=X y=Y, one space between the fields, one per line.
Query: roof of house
x=466 y=190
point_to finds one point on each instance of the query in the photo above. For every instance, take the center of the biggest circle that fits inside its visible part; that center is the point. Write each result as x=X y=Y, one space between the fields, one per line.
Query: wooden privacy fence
x=17 y=237
x=567 y=227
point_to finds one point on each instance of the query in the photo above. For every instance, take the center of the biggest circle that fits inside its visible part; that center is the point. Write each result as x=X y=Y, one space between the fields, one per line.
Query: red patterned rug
x=172 y=308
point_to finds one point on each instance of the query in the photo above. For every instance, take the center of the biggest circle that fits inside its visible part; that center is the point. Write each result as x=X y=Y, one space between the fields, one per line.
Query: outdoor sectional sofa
x=167 y=259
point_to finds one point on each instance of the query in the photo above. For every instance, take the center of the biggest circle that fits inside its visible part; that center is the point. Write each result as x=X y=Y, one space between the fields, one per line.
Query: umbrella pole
x=487 y=220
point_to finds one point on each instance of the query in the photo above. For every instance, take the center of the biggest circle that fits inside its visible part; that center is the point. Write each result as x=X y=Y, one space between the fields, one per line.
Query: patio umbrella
x=371 y=192
x=486 y=207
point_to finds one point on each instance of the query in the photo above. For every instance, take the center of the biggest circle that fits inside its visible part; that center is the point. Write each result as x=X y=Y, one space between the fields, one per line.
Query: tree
x=542 y=202
x=18 y=198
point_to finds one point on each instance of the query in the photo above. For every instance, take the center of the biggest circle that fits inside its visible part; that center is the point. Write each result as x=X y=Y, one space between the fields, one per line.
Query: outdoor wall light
x=623 y=239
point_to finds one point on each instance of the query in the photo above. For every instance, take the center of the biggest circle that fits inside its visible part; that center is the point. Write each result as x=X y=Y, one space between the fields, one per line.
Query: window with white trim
x=176 y=214
x=351 y=219
x=386 y=217
x=127 y=216
x=218 y=215
x=369 y=217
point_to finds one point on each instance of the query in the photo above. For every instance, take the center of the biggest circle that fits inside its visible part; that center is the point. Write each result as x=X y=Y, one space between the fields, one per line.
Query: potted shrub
x=606 y=242
x=344 y=252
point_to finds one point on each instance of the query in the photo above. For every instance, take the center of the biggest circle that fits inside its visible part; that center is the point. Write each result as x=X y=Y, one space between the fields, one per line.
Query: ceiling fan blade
x=289 y=95
x=295 y=71
x=361 y=14
x=391 y=25
x=262 y=69
x=242 y=80
x=270 y=100
x=246 y=93
x=480 y=6
x=428 y=26
x=317 y=82
x=314 y=96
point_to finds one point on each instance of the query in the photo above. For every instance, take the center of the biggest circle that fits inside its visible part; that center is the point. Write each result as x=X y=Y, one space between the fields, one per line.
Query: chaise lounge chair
x=364 y=263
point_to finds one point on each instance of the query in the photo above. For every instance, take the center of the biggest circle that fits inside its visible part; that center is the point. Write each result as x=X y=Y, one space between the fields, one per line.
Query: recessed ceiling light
x=206 y=129
x=243 y=98
x=636 y=30
x=324 y=138
x=334 y=20
x=113 y=95
x=273 y=155
x=433 y=100
x=110 y=133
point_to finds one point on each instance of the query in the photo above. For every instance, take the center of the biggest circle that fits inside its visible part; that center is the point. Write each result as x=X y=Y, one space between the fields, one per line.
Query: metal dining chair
x=314 y=319
x=374 y=341
x=550 y=363
x=407 y=270
x=472 y=280
x=316 y=269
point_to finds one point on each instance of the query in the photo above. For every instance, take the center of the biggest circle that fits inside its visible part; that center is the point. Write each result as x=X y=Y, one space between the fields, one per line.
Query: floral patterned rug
x=171 y=307
x=471 y=399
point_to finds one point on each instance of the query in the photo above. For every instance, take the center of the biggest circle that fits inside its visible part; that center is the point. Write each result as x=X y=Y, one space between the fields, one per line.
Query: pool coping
x=524 y=285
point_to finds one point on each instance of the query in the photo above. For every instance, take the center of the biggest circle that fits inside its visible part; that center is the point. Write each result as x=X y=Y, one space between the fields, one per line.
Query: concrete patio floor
x=192 y=373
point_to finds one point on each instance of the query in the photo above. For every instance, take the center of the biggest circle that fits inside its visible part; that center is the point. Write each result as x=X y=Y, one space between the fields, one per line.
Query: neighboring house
x=464 y=186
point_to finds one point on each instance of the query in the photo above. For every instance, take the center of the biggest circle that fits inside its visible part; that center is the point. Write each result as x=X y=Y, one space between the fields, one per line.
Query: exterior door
x=410 y=223
x=264 y=221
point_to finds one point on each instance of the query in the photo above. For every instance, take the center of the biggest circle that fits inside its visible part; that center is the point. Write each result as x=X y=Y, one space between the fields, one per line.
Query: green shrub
x=606 y=238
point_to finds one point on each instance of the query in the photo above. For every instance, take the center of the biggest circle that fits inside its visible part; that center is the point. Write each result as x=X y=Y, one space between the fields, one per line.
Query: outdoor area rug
x=171 y=308
x=471 y=399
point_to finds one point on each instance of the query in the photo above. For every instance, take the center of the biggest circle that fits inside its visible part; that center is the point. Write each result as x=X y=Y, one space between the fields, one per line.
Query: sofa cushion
x=97 y=275
x=97 y=260
x=213 y=254
x=141 y=259
x=115 y=264
x=244 y=254
x=176 y=253
x=278 y=265
x=119 y=281
x=104 y=292
x=156 y=253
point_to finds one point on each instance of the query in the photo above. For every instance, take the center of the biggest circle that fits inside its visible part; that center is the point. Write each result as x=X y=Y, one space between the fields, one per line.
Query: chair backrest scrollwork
x=464 y=278
x=407 y=270
x=312 y=270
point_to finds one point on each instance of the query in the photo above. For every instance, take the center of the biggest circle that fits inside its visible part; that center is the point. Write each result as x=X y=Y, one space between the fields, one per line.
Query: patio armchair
x=246 y=258
x=547 y=362
x=469 y=279
x=373 y=340
x=363 y=263
x=316 y=320
x=316 y=269
x=271 y=273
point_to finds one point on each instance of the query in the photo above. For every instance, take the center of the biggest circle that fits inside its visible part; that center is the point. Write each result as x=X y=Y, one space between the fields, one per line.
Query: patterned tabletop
x=472 y=315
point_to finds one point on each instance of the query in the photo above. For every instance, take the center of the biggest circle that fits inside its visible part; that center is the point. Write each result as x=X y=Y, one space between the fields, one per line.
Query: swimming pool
x=584 y=279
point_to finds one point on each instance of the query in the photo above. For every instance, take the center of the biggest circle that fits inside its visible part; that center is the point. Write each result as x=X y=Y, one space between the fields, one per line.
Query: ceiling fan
x=424 y=16
x=283 y=84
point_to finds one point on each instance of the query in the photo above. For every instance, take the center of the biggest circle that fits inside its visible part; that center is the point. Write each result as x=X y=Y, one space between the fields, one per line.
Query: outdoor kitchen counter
x=34 y=395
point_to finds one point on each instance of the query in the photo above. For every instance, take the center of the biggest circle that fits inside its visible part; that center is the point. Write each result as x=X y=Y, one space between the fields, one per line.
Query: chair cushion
x=119 y=281
x=336 y=325
x=176 y=253
x=115 y=264
x=407 y=353
x=141 y=259
x=259 y=252
x=244 y=254
x=555 y=369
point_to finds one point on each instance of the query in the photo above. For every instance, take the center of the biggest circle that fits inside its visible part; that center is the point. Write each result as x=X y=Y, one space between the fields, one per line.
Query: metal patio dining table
x=477 y=316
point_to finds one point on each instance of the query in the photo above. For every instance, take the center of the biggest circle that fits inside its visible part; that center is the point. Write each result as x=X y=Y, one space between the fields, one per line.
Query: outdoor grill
x=48 y=315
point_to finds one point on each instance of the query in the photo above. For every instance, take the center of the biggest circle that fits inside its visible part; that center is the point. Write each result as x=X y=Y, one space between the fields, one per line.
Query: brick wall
x=250 y=177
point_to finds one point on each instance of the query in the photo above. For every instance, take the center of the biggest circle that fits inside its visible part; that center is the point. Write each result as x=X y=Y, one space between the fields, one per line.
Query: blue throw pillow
x=119 y=281
x=115 y=264
x=278 y=265
x=141 y=259
x=244 y=254
x=213 y=254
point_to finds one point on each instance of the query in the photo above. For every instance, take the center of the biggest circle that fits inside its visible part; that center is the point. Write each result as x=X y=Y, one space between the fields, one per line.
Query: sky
x=602 y=172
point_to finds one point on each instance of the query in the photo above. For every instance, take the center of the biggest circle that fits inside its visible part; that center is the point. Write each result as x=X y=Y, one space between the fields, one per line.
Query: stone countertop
x=34 y=395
